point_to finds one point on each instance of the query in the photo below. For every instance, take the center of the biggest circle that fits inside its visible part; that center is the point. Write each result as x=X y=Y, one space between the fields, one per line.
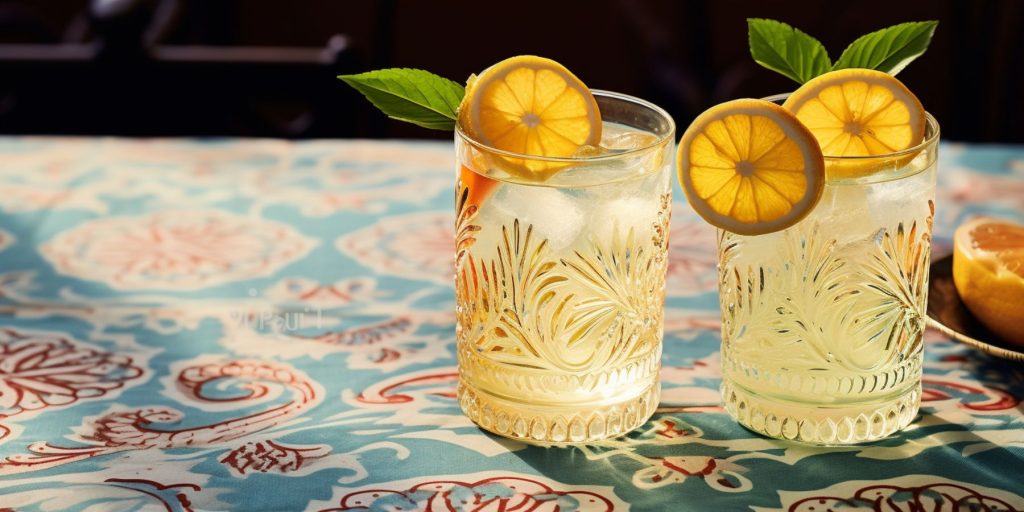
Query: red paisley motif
x=669 y=430
x=43 y=370
x=370 y=334
x=270 y=457
x=937 y=496
x=685 y=465
x=511 y=494
x=157 y=490
x=392 y=392
x=936 y=389
x=121 y=430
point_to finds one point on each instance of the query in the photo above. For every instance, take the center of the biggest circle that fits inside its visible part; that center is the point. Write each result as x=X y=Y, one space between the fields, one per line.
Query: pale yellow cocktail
x=560 y=282
x=823 y=321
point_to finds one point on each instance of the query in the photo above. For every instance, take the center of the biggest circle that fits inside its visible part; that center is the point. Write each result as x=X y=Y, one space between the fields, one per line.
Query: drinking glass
x=822 y=322
x=560 y=277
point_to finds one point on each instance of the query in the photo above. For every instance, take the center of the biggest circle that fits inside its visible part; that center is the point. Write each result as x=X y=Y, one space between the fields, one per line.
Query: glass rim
x=931 y=125
x=669 y=135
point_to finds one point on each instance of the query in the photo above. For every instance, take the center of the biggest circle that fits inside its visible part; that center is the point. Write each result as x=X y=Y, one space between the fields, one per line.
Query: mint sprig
x=786 y=50
x=800 y=57
x=890 y=49
x=411 y=95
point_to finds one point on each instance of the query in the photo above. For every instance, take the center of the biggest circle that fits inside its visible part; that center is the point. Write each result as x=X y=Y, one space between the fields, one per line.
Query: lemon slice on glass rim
x=530 y=106
x=860 y=113
x=750 y=167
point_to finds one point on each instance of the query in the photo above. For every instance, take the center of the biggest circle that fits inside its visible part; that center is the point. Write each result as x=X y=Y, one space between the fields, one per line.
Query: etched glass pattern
x=560 y=298
x=822 y=323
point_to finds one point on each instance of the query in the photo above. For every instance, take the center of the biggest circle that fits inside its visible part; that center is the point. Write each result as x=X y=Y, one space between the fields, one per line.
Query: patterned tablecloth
x=266 y=325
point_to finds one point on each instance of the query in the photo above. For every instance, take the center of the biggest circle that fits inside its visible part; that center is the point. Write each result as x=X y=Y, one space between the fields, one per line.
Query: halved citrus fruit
x=533 y=106
x=859 y=113
x=749 y=167
x=988 y=271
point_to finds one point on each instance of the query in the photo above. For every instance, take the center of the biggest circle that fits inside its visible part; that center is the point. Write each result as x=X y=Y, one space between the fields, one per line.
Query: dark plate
x=948 y=314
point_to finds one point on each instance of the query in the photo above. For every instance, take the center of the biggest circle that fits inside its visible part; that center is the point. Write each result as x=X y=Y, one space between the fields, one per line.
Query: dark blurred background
x=267 y=67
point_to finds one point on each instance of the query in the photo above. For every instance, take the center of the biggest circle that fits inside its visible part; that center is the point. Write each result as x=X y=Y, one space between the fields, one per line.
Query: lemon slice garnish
x=533 y=106
x=859 y=113
x=748 y=166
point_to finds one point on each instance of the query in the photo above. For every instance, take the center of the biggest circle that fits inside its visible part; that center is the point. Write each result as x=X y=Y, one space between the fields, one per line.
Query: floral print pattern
x=270 y=325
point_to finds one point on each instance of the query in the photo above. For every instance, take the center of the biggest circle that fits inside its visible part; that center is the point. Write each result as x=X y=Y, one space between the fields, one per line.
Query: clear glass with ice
x=560 y=276
x=822 y=322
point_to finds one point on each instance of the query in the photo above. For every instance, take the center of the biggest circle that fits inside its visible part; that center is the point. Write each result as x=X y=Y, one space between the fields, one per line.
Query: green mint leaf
x=411 y=95
x=784 y=49
x=889 y=49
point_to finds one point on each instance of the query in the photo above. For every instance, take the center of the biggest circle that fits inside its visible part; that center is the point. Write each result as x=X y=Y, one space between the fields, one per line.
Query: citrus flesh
x=860 y=113
x=988 y=271
x=750 y=167
x=531 y=106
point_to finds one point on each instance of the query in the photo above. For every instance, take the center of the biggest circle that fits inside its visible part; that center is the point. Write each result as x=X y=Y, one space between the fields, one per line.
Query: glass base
x=839 y=424
x=558 y=424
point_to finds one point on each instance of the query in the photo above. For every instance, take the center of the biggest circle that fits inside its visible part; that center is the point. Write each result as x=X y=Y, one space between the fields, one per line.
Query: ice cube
x=554 y=215
x=903 y=200
x=638 y=213
x=619 y=141
x=843 y=214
